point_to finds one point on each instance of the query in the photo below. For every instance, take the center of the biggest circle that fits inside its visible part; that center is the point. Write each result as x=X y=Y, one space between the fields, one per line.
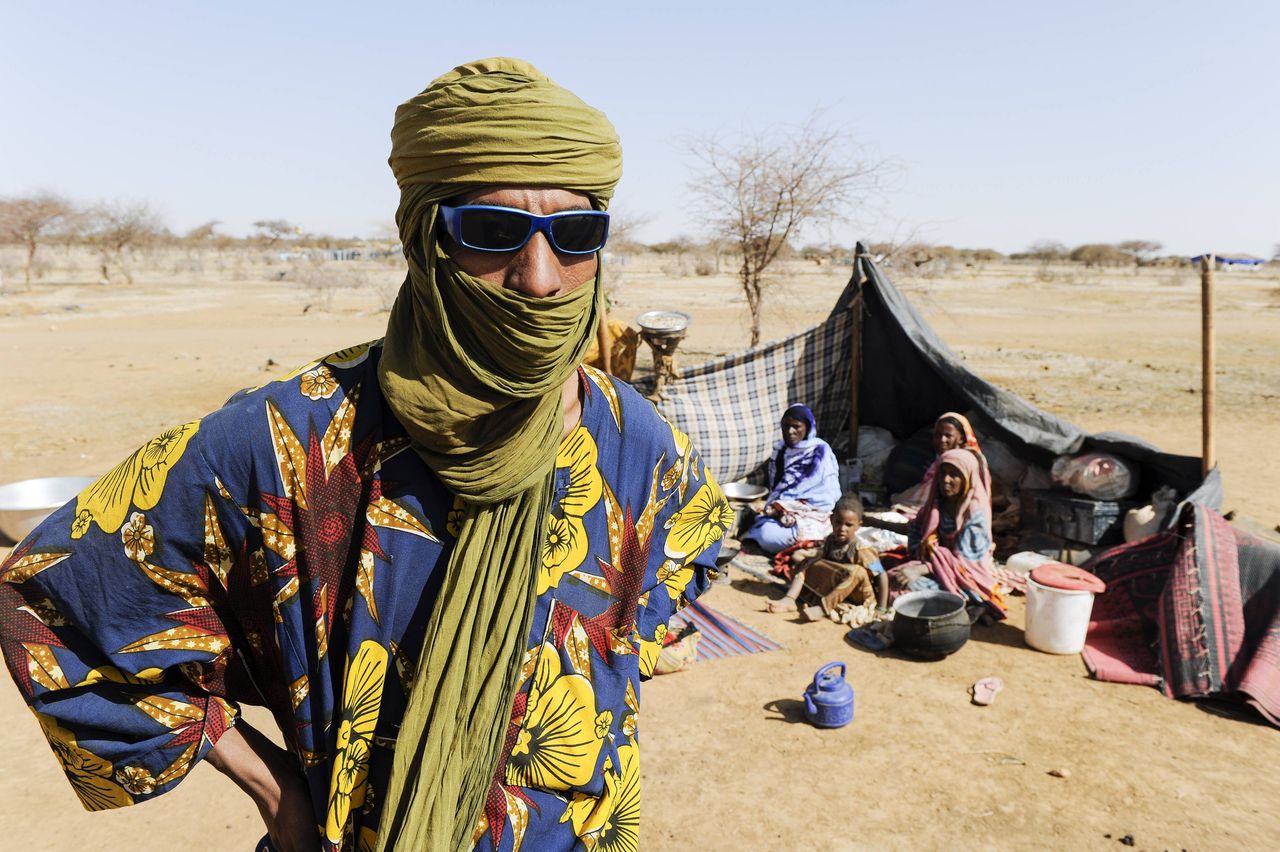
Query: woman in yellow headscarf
x=444 y=560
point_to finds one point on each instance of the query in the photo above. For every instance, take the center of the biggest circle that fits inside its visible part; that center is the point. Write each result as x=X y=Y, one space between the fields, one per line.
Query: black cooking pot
x=930 y=624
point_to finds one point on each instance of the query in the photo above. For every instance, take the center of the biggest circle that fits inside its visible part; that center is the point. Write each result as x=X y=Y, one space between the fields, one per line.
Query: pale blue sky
x=1011 y=122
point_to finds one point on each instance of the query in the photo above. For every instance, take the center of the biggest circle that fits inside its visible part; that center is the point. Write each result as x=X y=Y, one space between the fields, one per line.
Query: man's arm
x=268 y=774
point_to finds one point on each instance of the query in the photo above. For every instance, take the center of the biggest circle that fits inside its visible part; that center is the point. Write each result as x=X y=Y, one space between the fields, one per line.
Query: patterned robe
x=286 y=550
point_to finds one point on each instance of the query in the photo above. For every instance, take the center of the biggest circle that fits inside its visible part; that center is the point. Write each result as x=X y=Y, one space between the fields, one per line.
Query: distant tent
x=730 y=406
x=1238 y=260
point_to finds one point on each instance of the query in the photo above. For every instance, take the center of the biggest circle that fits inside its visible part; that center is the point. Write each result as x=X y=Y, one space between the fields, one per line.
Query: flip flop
x=986 y=690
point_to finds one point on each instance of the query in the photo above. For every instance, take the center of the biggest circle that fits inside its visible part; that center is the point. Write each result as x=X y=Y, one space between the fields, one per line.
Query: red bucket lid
x=1057 y=575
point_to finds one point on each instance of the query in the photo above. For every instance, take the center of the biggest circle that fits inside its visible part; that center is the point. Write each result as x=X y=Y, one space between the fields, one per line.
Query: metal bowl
x=664 y=322
x=23 y=505
x=743 y=492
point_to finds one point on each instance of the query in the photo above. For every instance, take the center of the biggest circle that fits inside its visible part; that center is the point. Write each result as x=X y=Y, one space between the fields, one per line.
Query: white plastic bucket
x=1057 y=619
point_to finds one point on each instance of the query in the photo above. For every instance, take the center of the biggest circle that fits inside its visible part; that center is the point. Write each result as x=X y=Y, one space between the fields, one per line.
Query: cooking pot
x=930 y=624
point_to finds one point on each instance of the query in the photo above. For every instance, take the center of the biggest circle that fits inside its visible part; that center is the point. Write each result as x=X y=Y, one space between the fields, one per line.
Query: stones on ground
x=1062 y=772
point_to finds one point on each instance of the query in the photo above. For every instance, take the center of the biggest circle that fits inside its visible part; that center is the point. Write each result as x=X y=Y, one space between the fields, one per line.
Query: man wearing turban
x=443 y=560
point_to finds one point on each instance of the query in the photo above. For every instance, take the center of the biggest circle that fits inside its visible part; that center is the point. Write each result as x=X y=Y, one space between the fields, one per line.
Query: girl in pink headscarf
x=951 y=537
x=950 y=431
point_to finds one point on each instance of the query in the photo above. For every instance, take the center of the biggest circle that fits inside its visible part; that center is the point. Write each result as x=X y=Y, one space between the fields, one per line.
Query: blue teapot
x=828 y=701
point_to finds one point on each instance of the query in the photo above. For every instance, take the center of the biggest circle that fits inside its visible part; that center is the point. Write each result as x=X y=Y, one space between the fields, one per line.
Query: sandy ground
x=92 y=371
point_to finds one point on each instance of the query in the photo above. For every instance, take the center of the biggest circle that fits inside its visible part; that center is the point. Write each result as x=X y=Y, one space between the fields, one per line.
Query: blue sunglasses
x=482 y=227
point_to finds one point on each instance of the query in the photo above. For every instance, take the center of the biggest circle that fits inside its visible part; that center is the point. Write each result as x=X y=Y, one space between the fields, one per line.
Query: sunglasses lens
x=493 y=230
x=579 y=234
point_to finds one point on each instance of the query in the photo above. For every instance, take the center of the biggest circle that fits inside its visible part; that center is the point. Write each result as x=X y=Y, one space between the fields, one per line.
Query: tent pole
x=855 y=360
x=1208 y=455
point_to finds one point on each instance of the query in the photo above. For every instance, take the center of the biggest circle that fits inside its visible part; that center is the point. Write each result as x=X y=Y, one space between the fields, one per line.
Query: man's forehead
x=533 y=198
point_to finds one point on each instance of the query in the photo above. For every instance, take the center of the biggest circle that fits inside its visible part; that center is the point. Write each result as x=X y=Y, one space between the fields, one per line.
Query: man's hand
x=268 y=774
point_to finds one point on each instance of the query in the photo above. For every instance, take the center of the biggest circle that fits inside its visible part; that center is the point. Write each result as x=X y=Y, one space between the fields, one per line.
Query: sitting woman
x=951 y=537
x=804 y=485
x=950 y=431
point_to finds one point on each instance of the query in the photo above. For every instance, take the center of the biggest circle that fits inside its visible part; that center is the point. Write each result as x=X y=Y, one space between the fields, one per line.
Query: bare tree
x=762 y=190
x=1047 y=250
x=203 y=233
x=1100 y=254
x=623 y=225
x=28 y=219
x=1143 y=251
x=275 y=230
x=117 y=230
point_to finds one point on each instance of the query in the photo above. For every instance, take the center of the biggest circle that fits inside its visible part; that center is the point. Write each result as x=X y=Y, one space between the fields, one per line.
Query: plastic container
x=1059 y=604
x=1024 y=562
x=1074 y=518
x=828 y=701
x=850 y=475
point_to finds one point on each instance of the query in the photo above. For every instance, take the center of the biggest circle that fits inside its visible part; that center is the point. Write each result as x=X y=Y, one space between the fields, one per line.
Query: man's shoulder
x=311 y=391
x=633 y=416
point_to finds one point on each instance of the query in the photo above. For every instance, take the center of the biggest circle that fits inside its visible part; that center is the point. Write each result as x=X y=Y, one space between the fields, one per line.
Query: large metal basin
x=743 y=492
x=23 y=505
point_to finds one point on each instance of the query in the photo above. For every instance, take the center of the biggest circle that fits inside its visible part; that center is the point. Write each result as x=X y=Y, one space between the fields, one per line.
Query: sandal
x=986 y=690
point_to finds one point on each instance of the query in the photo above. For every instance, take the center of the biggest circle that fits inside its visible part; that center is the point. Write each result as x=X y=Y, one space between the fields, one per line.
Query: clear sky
x=1009 y=122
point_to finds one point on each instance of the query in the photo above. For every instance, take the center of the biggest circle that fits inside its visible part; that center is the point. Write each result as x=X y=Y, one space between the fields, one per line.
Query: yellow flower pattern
x=565 y=547
x=138 y=537
x=138 y=481
x=317 y=383
x=611 y=823
x=362 y=699
x=559 y=745
x=700 y=523
x=90 y=775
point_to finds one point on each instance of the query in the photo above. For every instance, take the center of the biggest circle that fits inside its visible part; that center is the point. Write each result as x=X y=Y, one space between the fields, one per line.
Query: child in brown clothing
x=837 y=572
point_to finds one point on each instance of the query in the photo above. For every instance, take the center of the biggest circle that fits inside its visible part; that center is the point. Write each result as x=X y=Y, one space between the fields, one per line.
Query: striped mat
x=722 y=636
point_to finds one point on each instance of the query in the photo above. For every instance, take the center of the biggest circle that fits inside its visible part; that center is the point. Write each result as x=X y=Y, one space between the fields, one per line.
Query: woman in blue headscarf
x=804 y=484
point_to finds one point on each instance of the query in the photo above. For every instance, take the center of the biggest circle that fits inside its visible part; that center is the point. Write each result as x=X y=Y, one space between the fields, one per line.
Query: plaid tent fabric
x=731 y=406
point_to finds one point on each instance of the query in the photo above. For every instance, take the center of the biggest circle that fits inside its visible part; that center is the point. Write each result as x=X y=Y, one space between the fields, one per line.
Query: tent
x=906 y=376
x=1193 y=609
x=1247 y=261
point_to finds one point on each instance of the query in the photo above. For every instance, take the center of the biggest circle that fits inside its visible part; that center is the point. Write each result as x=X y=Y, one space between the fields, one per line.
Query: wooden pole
x=1207 y=451
x=855 y=359
x=602 y=340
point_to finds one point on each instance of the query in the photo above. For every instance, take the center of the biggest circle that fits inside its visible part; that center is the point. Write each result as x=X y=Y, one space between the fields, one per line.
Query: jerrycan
x=828 y=701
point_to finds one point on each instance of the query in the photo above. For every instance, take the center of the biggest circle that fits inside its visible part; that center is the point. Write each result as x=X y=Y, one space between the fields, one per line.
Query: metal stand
x=663 y=345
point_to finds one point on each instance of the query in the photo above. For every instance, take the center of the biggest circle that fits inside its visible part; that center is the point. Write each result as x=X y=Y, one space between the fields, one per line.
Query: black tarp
x=909 y=376
x=730 y=406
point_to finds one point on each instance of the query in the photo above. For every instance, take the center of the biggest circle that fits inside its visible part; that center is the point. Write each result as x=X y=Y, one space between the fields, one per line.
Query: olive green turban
x=474 y=373
x=503 y=122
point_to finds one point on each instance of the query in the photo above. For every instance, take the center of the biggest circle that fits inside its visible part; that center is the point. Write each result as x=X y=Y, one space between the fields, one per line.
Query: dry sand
x=93 y=371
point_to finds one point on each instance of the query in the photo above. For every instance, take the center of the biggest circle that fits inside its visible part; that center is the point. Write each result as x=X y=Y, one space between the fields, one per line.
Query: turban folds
x=503 y=122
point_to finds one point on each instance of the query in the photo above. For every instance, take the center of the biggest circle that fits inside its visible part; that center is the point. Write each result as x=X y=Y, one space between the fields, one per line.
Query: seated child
x=837 y=572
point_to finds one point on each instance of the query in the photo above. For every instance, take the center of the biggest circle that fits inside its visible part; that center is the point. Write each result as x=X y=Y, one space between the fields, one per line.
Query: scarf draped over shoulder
x=474 y=373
